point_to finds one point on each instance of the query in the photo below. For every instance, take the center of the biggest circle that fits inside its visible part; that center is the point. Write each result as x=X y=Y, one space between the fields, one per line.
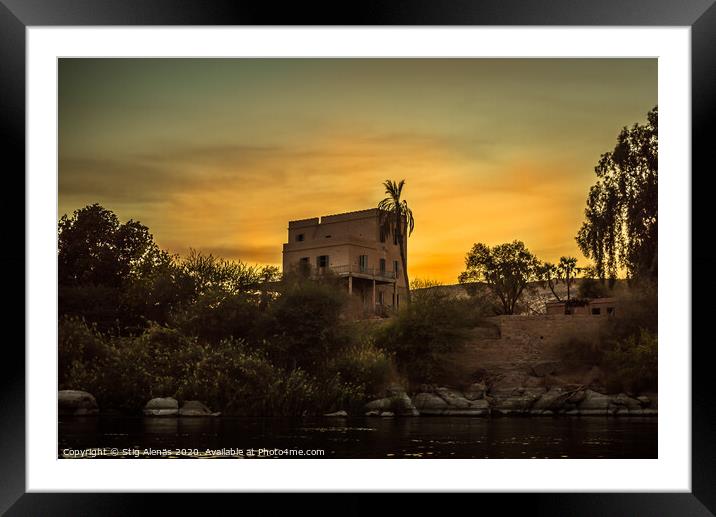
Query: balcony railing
x=365 y=271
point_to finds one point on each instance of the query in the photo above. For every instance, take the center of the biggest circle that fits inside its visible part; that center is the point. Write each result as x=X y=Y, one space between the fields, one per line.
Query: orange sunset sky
x=219 y=154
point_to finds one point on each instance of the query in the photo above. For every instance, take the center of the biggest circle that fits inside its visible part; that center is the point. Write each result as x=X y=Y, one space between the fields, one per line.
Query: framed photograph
x=417 y=251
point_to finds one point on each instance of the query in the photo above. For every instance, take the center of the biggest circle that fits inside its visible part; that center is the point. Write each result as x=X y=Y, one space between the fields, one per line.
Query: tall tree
x=565 y=271
x=396 y=219
x=94 y=248
x=550 y=274
x=620 y=230
x=505 y=268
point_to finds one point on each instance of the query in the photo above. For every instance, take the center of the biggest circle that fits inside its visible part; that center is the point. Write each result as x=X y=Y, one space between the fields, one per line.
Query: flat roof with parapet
x=334 y=218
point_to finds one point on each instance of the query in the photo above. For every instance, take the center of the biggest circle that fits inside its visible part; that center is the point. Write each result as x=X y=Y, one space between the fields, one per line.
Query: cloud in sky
x=218 y=155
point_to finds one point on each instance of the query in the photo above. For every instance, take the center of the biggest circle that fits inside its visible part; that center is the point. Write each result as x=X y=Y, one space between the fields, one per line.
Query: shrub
x=215 y=316
x=232 y=378
x=240 y=381
x=302 y=327
x=432 y=325
x=95 y=304
x=82 y=354
x=364 y=366
x=632 y=363
x=167 y=356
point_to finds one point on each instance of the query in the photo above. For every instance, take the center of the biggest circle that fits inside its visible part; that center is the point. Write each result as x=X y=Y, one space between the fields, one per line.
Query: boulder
x=337 y=413
x=76 y=402
x=387 y=413
x=624 y=401
x=507 y=382
x=372 y=413
x=454 y=398
x=544 y=368
x=519 y=400
x=399 y=403
x=594 y=403
x=644 y=401
x=429 y=403
x=653 y=400
x=449 y=402
x=166 y=406
x=475 y=391
x=577 y=396
x=379 y=404
x=195 y=408
x=554 y=401
x=477 y=408
x=402 y=405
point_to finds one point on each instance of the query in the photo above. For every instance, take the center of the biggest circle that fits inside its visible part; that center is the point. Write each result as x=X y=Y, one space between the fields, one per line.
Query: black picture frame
x=17 y=15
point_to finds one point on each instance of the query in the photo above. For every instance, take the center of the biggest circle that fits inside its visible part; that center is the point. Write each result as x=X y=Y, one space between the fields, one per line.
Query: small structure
x=351 y=246
x=586 y=307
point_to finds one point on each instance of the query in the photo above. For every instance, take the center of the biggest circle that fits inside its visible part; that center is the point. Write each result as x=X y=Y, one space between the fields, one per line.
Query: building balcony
x=369 y=273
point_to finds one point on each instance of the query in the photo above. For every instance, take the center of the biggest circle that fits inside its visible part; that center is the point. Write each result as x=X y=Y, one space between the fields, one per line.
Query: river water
x=360 y=437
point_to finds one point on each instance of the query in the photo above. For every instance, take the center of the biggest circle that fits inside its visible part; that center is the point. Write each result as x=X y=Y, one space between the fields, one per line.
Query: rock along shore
x=476 y=401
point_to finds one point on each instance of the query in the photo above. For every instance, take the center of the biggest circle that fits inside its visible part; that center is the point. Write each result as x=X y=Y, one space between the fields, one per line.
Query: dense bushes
x=632 y=363
x=301 y=327
x=364 y=366
x=627 y=349
x=434 y=324
x=125 y=372
x=137 y=323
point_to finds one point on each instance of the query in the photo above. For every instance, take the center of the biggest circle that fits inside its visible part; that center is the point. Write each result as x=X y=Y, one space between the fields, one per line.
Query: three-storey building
x=351 y=246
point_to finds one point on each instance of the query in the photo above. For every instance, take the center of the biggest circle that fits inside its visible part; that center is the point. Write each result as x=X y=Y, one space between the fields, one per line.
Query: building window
x=382 y=265
x=380 y=297
x=363 y=263
x=610 y=311
x=395 y=238
x=596 y=311
x=322 y=261
x=300 y=237
x=304 y=265
x=328 y=236
x=393 y=299
x=397 y=301
x=396 y=268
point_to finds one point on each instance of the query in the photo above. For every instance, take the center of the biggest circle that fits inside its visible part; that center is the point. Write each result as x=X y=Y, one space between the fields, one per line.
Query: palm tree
x=567 y=267
x=396 y=219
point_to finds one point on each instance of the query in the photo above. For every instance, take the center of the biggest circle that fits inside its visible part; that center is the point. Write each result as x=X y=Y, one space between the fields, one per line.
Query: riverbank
x=476 y=400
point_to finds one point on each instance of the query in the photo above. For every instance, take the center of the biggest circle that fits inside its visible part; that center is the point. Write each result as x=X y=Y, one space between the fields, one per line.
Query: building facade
x=350 y=245
x=591 y=307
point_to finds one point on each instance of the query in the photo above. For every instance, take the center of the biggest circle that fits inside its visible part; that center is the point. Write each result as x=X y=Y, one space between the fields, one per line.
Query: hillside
x=534 y=297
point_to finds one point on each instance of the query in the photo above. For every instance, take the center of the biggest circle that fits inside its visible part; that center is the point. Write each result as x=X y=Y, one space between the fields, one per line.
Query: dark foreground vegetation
x=136 y=323
x=627 y=348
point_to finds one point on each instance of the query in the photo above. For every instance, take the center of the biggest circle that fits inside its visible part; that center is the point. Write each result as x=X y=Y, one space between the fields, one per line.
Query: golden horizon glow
x=218 y=154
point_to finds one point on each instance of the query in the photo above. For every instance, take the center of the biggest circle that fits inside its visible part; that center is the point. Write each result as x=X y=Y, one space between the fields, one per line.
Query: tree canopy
x=506 y=268
x=551 y=274
x=93 y=247
x=620 y=227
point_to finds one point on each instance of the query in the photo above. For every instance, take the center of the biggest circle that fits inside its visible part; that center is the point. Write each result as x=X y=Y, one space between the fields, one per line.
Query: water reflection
x=421 y=437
